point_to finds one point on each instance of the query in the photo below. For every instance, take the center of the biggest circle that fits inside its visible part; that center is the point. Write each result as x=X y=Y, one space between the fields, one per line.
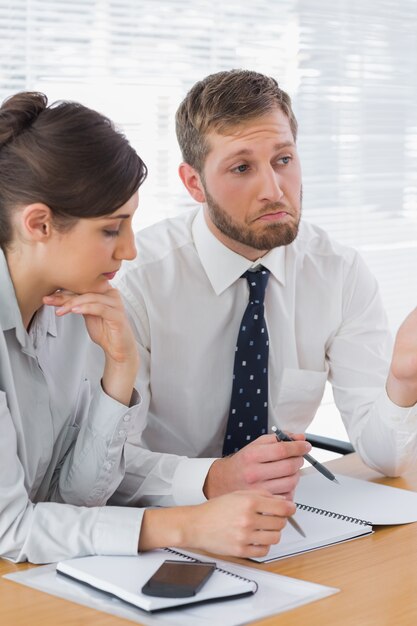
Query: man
x=317 y=305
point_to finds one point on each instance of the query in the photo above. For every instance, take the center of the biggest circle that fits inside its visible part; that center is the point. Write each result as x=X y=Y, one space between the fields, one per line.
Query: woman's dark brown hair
x=66 y=156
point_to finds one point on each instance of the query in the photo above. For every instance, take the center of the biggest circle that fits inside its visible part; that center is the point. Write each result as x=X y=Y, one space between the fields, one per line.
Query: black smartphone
x=178 y=579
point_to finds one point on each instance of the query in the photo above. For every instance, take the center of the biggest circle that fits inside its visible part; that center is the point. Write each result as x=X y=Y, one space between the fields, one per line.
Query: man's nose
x=270 y=189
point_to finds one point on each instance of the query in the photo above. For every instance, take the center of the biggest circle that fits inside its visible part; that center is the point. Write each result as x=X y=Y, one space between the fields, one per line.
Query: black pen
x=319 y=467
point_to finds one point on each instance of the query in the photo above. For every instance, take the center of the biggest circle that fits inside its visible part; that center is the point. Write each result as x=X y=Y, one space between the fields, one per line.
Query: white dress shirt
x=59 y=443
x=325 y=322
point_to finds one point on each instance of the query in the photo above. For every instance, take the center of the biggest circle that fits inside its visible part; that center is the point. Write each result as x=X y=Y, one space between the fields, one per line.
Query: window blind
x=350 y=67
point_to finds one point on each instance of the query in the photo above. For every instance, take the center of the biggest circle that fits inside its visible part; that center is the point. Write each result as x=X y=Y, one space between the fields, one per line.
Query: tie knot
x=257 y=281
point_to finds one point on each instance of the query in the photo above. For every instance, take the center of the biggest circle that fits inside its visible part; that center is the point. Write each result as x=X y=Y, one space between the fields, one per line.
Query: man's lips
x=273 y=216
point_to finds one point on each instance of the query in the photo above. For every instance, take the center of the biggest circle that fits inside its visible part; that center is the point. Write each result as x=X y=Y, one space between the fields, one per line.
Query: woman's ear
x=36 y=222
x=192 y=181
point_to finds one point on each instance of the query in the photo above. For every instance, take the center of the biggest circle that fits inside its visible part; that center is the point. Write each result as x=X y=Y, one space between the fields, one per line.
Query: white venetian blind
x=350 y=66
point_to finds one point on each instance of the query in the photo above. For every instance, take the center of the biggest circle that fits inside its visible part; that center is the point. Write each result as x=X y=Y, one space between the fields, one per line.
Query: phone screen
x=178 y=579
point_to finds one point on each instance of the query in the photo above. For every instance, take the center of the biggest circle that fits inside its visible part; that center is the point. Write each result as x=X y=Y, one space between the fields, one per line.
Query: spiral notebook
x=124 y=577
x=330 y=513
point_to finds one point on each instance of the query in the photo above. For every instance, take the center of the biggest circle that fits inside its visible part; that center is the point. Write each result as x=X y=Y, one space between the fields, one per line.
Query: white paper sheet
x=275 y=594
x=374 y=503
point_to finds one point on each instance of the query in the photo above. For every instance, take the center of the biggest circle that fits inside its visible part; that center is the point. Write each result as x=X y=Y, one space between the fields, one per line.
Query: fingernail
x=60 y=310
x=75 y=309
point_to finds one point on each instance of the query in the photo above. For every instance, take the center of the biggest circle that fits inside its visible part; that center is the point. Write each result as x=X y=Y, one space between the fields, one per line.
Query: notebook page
x=377 y=504
x=320 y=531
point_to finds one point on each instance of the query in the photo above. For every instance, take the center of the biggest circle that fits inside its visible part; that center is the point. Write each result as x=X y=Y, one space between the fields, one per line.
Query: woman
x=68 y=192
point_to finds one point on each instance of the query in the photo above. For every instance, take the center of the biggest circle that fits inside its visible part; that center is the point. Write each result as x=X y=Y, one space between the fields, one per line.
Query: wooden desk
x=377 y=576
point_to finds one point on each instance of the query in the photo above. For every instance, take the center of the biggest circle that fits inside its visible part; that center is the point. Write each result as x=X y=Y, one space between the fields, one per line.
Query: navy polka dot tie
x=248 y=417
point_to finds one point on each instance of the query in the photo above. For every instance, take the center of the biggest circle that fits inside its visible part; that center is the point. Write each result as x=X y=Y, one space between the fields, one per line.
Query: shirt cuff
x=188 y=481
x=393 y=415
x=109 y=412
x=117 y=530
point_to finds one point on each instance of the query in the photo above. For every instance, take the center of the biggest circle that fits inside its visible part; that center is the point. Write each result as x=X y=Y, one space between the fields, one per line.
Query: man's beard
x=273 y=234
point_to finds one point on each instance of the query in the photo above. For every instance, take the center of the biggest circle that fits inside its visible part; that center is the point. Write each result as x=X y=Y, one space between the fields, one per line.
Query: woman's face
x=87 y=256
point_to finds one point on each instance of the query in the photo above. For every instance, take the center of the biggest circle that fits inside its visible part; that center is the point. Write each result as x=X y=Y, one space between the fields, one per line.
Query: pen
x=319 y=467
x=296 y=526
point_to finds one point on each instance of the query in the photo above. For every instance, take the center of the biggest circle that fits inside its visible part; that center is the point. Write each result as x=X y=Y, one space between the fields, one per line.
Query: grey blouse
x=61 y=442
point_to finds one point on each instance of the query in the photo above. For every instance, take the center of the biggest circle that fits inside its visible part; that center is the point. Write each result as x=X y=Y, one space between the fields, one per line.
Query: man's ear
x=36 y=221
x=192 y=181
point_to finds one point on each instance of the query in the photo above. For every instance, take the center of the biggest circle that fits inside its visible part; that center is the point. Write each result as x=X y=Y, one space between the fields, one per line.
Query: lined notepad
x=330 y=513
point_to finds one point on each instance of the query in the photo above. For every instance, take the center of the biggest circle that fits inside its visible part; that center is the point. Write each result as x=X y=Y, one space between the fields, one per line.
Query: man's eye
x=111 y=233
x=285 y=160
x=240 y=169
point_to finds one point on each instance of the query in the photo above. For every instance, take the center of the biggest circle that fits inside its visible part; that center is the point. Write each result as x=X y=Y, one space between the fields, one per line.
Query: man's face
x=252 y=185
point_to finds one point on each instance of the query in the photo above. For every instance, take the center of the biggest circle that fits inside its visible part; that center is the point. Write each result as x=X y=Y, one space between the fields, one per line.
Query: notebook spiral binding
x=347 y=518
x=219 y=569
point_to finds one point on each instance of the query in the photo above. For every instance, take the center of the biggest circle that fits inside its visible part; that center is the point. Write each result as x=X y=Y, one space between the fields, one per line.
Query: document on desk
x=330 y=513
x=124 y=577
x=275 y=594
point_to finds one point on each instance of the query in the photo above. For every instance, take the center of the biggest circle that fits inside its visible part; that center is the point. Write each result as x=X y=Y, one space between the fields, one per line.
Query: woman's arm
x=243 y=524
x=108 y=326
x=47 y=531
x=93 y=465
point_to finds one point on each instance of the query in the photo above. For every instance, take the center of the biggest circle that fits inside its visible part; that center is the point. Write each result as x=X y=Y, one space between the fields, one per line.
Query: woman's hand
x=243 y=524
x=108 y=327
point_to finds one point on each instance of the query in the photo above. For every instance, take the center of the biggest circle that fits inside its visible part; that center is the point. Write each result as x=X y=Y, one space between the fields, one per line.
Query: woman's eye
x=111 y=233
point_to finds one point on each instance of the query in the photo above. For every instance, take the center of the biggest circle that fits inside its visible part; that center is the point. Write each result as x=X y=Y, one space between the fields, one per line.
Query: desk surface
x=377 y=576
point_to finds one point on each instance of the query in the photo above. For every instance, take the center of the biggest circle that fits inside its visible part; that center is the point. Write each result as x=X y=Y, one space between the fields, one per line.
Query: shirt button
x=122 y=433
x=107 y=465
x=126 y=418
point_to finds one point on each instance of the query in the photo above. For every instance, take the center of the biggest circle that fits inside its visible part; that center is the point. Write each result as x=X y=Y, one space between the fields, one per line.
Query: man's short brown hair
x=221 y=101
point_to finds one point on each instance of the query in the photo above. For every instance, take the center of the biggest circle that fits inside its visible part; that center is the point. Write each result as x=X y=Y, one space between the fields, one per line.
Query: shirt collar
x=223 y=266
x=10 y=316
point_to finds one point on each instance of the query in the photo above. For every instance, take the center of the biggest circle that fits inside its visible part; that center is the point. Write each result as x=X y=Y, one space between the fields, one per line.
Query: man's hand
x=402 y=378
x=263 y=464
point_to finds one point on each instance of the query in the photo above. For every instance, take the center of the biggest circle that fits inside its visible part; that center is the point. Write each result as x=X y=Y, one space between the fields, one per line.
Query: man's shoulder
x=164 y=238
x=162 y=249
x=315 y=241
